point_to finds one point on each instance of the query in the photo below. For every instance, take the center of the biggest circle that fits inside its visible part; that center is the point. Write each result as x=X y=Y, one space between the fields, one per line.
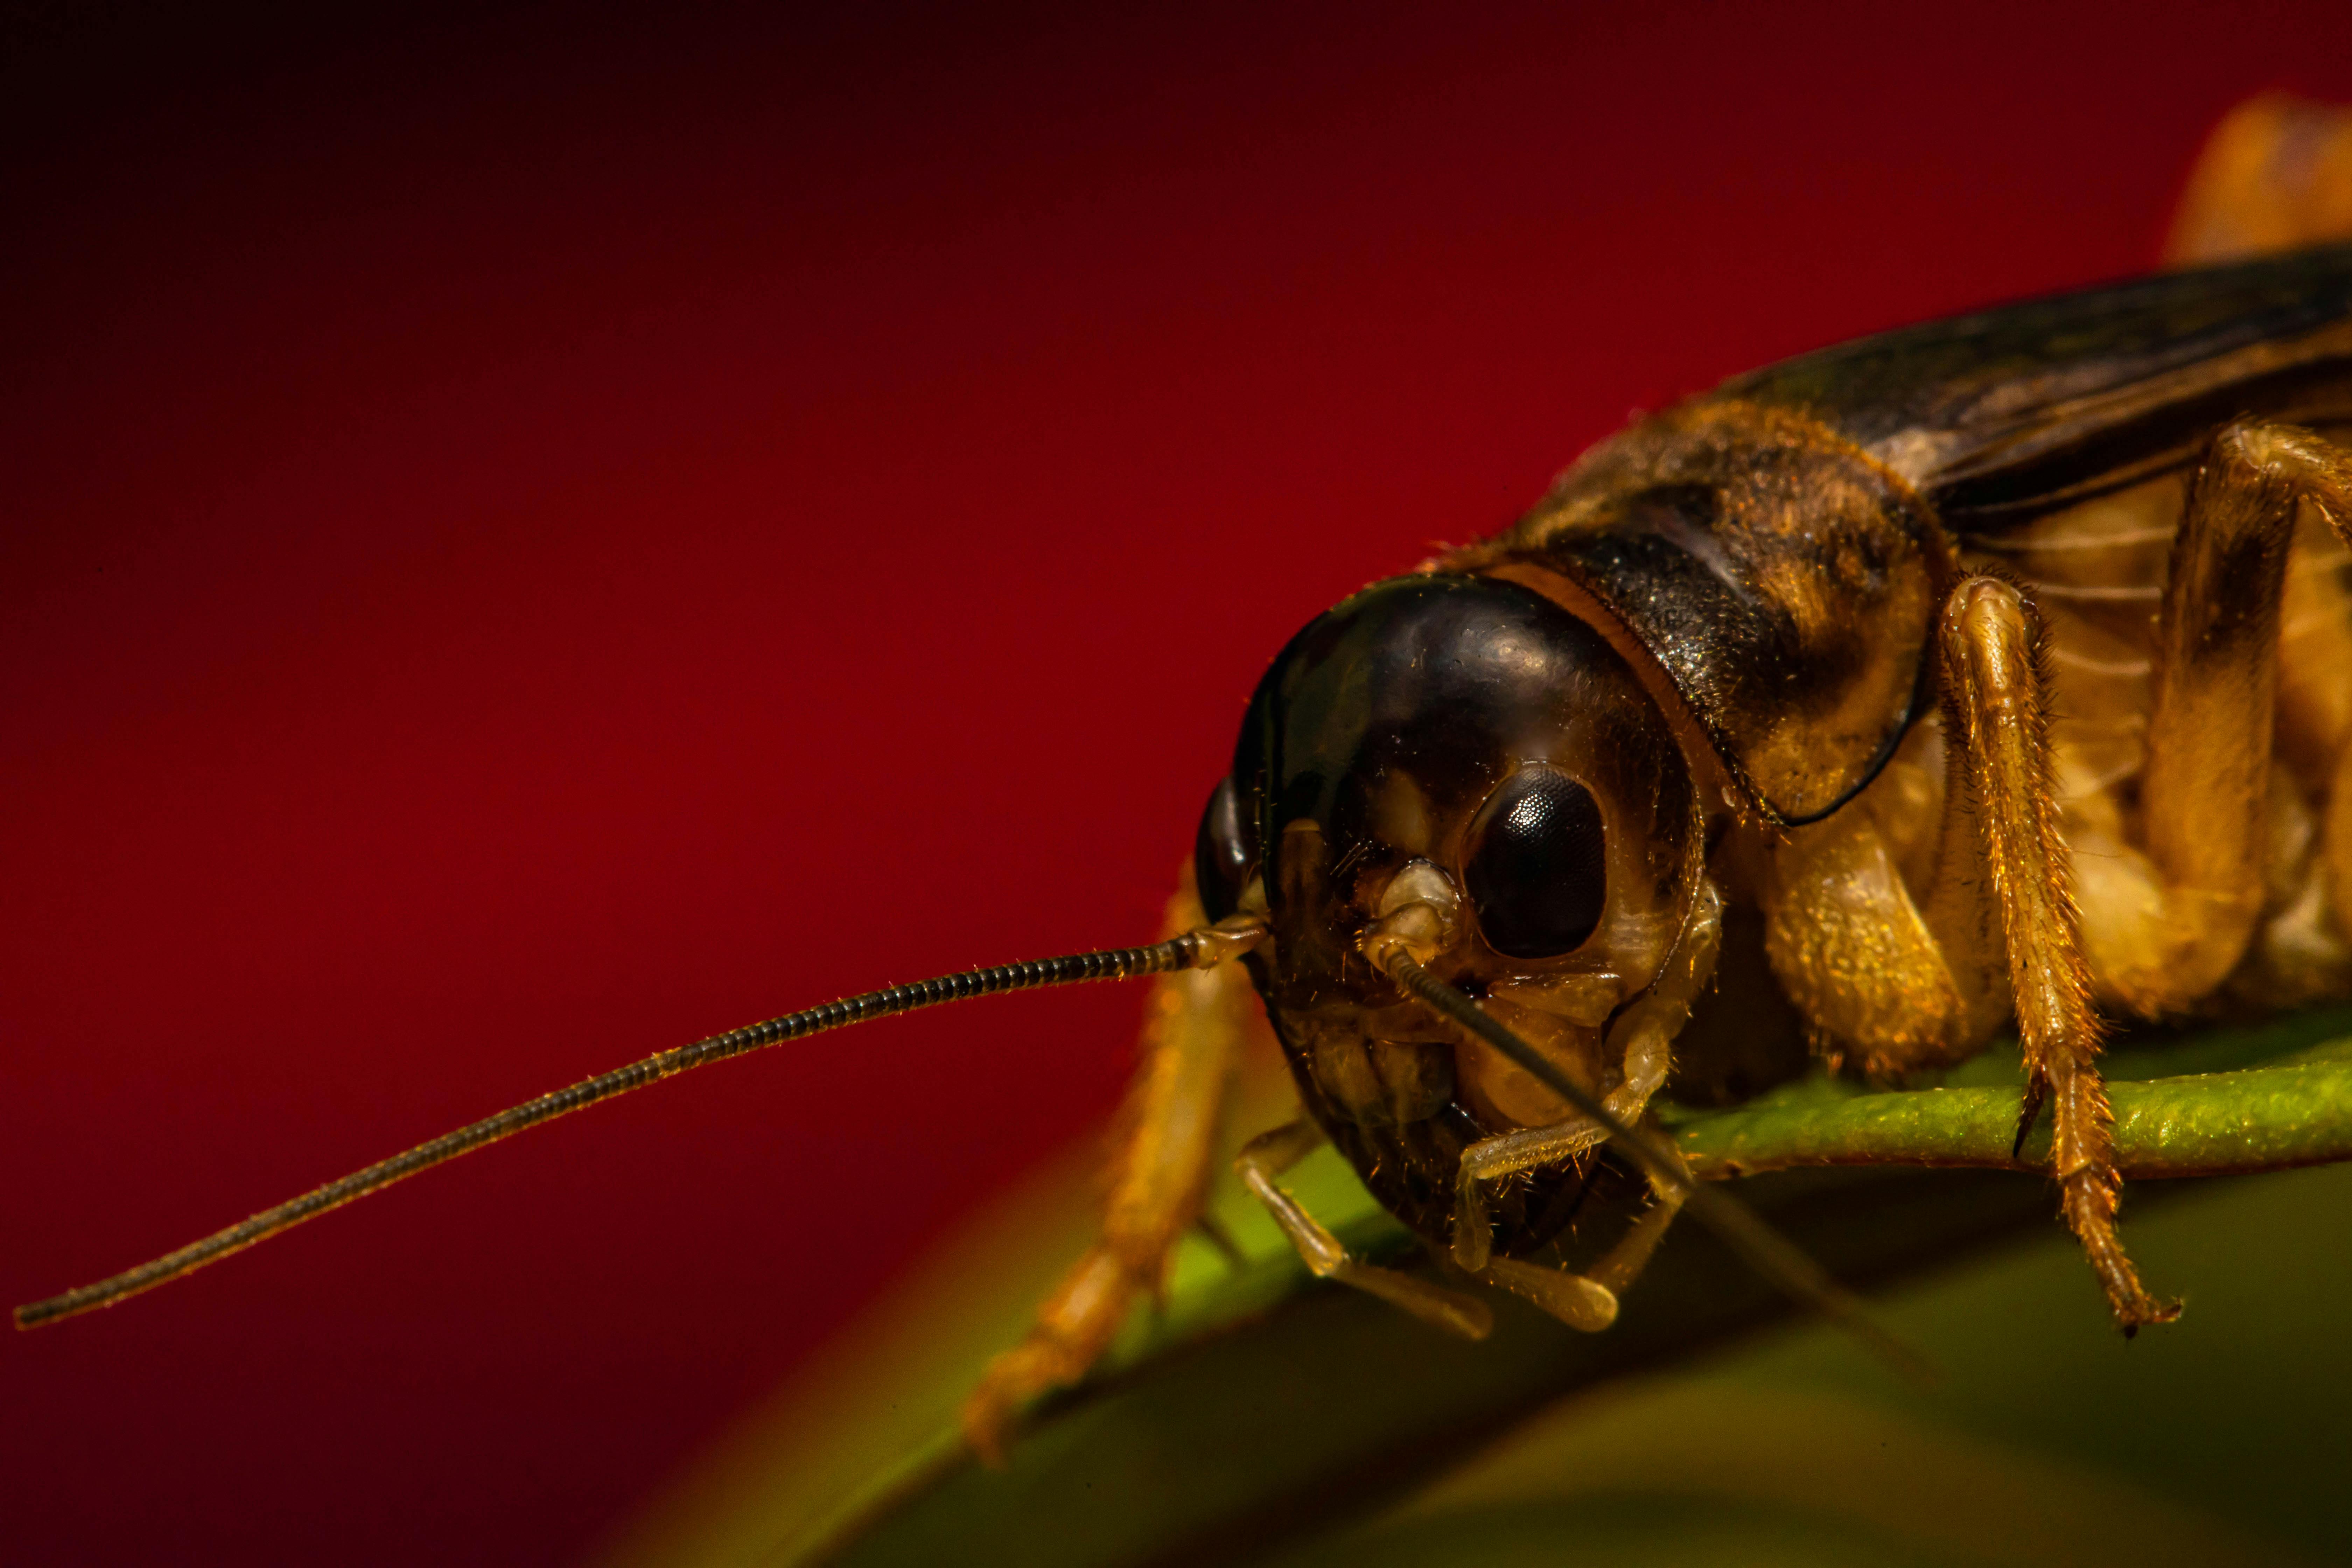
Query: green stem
x=2262 y=1118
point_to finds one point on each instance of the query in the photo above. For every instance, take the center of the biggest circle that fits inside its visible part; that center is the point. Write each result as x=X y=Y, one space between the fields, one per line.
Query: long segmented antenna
x=1771 y=1255
x=1194 y=950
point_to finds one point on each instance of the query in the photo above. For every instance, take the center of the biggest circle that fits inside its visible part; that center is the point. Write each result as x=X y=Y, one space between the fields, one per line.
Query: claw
x=2029 y=1110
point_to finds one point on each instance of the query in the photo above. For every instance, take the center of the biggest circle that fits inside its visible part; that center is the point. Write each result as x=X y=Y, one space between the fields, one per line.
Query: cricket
x=1986 y=675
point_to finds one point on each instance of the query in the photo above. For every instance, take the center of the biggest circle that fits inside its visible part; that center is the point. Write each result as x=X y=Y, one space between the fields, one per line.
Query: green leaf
x=2295 y=1110
x=1267 y=1416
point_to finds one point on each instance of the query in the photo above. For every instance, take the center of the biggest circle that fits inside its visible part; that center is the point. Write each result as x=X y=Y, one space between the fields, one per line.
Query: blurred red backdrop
x=533 y=538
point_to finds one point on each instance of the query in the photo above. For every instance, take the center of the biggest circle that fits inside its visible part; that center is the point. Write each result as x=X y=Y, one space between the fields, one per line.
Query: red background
x=530 y=539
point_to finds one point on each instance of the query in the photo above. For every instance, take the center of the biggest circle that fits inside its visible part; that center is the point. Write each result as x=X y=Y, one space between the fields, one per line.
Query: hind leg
x=2171 y=916
x=2275 y=175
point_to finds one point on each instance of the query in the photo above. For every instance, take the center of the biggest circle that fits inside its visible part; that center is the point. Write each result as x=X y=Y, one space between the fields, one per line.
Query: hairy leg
x=1996 y=725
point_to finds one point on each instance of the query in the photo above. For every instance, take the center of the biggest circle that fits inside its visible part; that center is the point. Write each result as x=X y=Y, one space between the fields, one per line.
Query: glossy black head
x=1467 y=730
x=1473 y=725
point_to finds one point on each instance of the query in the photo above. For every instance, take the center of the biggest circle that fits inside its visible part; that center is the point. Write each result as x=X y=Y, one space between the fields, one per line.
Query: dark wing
x=2011 y=412
x=1786 y=582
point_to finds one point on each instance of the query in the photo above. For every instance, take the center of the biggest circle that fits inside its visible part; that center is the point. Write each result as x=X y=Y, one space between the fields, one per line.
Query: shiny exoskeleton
x=1772 y=561
x=1454 y=720
x=1995 y=671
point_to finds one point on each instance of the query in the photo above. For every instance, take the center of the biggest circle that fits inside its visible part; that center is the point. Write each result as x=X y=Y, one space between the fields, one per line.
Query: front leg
x=1587 y=1302
x=1269 y=1154
x=1192 y=1038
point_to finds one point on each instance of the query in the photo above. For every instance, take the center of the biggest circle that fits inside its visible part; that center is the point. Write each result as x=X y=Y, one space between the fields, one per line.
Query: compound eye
x=1535 y=872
